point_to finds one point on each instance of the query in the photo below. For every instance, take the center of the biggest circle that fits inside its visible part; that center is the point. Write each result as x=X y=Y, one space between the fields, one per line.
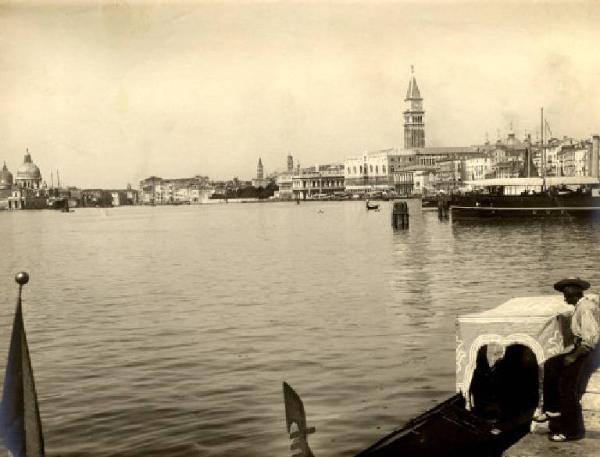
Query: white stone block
x=594 y=383
x=591 y=401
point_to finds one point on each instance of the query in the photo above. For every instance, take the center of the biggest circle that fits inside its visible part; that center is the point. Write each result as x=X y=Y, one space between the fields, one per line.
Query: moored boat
x=429 y=201
x=371 y=205
x=528 y=197
x=500 y=355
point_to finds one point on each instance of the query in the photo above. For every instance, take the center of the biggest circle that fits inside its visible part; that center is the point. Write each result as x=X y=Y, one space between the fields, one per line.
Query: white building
x=318 y=182
x=369 y=171
x=477 y=168
x=285 y=181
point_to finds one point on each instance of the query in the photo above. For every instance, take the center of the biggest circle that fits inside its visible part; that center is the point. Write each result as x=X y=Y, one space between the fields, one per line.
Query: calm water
x=169 y=330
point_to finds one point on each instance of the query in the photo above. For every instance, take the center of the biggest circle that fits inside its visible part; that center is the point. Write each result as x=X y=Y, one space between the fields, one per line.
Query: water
x=169 y=330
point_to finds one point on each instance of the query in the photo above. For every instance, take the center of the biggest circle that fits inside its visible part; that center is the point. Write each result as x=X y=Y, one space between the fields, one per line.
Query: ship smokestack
x=595 y=154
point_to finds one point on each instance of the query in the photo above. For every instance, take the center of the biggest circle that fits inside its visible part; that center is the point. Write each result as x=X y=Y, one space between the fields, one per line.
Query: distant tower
x=414 y=127
x=259 y=170
x=6 y=178
x=6 y=182
x=290 y=163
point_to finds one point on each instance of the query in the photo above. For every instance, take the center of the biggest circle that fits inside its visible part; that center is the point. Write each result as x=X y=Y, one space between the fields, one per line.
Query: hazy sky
x=115 y=92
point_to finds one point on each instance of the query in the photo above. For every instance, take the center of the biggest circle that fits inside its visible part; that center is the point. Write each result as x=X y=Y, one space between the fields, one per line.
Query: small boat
x=447 y=430
x=58 y=203
x=371 y=206
x=429 y=202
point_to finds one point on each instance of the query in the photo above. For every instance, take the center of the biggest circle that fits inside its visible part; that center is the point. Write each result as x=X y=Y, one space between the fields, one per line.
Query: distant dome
x=6 y=178
x=28 y=170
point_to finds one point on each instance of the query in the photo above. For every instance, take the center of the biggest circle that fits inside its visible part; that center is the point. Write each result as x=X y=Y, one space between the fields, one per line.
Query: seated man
x=564 y=373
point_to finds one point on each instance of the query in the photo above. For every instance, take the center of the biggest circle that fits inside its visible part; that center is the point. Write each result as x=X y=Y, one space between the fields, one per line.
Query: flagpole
x=20 y=421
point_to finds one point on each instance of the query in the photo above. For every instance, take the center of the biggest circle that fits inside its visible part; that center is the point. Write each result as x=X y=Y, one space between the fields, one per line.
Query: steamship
x=529 y=197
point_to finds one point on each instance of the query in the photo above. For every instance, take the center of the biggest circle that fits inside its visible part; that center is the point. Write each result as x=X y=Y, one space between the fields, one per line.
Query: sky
x=109 y=93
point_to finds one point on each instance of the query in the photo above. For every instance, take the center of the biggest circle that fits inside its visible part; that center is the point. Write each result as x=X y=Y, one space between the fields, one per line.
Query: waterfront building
x=320 y=181
x=402 y=165
x=369 y=171
x=572 y=159
x=430 y=156
x=424 y=181
x=285 y=183
x=74 y=196
x=100 y=198
x=477 y=168
x=149 y=190
x=393 y=169
x=552 y=164
x=511 y=168
x=450 y=174
x=122 y=197
x=508 y=158
x=414 y=126
x=160 y=191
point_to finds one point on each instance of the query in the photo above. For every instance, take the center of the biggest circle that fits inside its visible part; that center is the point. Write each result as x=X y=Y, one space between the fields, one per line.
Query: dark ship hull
x=537 y=206
x=429 y=202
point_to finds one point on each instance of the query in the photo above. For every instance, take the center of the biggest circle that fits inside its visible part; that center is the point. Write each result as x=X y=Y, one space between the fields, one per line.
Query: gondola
x=447 y=430
x=496 y=399
x=450 y=430
x=371 y=206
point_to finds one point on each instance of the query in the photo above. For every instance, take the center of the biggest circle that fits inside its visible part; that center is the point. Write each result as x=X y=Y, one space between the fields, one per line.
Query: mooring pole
x=443 y=207
x=400 y=216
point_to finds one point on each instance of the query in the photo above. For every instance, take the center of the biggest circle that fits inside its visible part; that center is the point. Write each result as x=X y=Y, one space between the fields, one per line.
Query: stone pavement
x=536 y=444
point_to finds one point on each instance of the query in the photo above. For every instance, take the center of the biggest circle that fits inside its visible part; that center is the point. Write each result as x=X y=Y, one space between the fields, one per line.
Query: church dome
x=6 y=178
x=28 y=170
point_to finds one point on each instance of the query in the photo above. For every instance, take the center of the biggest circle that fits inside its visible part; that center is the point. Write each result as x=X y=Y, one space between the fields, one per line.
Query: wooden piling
x=443 y=207
x=400 y=215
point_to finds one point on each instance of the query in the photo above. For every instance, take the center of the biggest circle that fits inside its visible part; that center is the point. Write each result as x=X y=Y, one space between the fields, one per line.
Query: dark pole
x=543 y=155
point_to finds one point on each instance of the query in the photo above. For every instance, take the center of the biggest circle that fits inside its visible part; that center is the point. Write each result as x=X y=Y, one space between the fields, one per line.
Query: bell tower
x=259 y=170
x=414 y=127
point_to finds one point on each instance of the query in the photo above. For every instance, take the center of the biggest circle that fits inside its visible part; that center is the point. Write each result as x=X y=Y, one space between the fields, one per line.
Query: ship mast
x=543 y=150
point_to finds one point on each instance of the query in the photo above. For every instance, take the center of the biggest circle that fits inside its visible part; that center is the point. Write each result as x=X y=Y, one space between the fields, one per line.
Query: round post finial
x=22 y=278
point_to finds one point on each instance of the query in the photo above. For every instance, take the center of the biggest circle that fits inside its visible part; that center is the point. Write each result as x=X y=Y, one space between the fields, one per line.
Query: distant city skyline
x=112 y=94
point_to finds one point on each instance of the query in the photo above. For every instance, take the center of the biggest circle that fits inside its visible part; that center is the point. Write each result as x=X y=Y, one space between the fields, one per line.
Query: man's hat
x=573 y=282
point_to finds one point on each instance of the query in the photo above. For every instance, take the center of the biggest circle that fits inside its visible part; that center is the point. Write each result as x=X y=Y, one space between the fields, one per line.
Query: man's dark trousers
x=563 y=388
